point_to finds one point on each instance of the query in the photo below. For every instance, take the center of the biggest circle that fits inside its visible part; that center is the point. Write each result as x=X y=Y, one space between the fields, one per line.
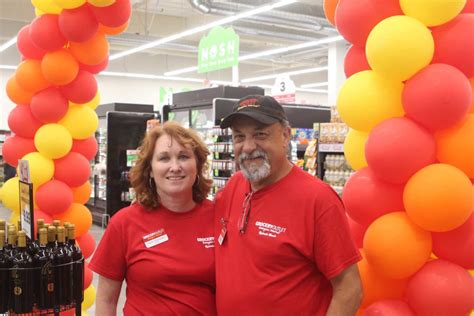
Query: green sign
x=218 y=50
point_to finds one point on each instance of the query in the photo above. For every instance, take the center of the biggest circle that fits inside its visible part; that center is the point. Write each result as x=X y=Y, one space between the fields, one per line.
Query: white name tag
x=155 y=238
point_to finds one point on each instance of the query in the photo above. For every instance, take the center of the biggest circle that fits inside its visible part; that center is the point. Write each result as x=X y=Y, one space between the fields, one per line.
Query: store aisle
x=97 y=233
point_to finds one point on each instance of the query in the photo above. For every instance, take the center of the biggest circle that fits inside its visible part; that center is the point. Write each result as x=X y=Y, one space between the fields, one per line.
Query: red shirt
x=297 y=238
x=170 y=277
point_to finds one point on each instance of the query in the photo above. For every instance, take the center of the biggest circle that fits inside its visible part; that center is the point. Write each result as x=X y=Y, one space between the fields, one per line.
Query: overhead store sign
x=284 y=89
x=218 y=50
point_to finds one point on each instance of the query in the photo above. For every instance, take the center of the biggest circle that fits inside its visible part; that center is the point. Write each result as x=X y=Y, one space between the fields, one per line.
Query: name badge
x=155 y=238
x=222 y=235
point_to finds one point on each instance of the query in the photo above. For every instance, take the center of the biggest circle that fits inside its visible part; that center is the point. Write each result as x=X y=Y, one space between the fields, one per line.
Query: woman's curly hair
x=140 y=179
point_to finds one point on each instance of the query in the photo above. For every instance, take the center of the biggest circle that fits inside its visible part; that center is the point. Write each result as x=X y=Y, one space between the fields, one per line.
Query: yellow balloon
x=14 y=218
x=93 y=104
x=46 y=6
x=366 y=99
x=53 y=141
x=354 y=149
x=41 y=168
x=84 y=313
x=81 y=121
x=69 y=4
x=38 y=12
x=432 y=13
x=89 y=297
x=101 y=3
x=11 y=196
x=399 y=47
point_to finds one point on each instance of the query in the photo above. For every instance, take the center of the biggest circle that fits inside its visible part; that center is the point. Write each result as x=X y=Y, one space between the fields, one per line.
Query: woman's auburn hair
x=140 y=179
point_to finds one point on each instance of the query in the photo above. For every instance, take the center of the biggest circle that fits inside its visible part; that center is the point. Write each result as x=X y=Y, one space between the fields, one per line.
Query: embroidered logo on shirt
x=208 y=242
x=269 y=230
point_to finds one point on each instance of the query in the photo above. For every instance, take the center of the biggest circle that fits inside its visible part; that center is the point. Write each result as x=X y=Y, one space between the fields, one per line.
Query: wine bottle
x=5 y=264
x=62 y=261
x=77 y=278
x=21 y=278
x=11 y=241
x=43 y=273
x=2 y=225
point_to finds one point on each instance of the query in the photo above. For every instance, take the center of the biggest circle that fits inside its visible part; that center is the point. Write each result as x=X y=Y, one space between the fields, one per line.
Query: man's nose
x=249 y=146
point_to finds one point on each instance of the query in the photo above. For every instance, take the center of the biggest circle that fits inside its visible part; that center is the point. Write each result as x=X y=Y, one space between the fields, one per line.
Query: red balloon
x=95 y=69
x=355 y=61
x=437 y=97
x=390 y=149
x=87 y=147
x=367 y=198
x=454 y=44
x=87 y=244
x=41 y=215
x=82 y=89
x=440 y=288
x=469 y=7
x=45 y=34
x=357 y=232
x=87 y=276
x=15 y=147
x=54 y=197
x=72 y=169
x=79 y=24
x=389 y=308
x=457 y=245
x=114 y=15
x=356 y=18
x=26 y=46
x=49 y=105
x=22 y=122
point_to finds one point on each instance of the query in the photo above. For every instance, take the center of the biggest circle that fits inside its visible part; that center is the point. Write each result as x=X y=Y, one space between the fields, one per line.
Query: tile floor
x=97 y=233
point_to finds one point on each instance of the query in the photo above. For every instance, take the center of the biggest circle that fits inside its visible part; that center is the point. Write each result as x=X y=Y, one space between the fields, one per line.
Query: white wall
x=131 y=90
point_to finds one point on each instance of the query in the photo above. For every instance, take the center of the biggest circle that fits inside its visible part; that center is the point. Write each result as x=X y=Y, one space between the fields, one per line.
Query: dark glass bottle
x=5 y=264
x=62 y=261
x=11 y=241
x=21 y=278
x=34 y=245
x=44 y=273
x=77 y=271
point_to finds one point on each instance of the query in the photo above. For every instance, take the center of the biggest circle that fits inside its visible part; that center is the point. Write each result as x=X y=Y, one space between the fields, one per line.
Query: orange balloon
x=378 y=287
x=81 y=194
x=30 y=77
x=395 y=247
x=59 y=67
x=93 y=51
x=438 y=198
x=330 y=10
x=455 y=146
x=113 y=30
x=16 y=93
x=472 y=87
x=78 y=215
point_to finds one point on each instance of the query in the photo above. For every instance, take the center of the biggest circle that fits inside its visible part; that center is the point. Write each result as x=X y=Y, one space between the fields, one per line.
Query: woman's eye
x=163 y=158
x=183 y=157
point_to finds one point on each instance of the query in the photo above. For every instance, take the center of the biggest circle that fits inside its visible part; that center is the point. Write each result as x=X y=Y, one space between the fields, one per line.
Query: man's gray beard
x=255 y=173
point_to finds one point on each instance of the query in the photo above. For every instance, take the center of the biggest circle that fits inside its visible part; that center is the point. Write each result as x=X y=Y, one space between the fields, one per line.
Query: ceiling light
x=202 y=28
x=8 y=67
x=267 y=53
x=290 y=73
x=314 y=85
x=8 y=44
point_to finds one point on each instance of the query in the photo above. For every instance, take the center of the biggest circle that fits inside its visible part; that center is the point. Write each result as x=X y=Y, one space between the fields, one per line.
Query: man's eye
x=261 y=135
x=238 y=137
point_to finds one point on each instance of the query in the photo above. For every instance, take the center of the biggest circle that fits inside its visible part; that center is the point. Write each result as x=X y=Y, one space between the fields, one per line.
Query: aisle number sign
x=284 y=89
x=26 y=199
x=218 y=50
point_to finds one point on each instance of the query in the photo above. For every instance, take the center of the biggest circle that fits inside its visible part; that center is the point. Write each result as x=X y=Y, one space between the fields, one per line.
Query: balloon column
x=409 y=102
x=54 y=121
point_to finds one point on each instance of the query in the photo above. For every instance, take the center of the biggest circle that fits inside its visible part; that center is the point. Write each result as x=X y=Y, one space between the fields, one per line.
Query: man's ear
x=286 y=133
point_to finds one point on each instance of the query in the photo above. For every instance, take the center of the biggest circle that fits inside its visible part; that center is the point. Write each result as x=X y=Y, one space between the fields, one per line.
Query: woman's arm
x=107 y=296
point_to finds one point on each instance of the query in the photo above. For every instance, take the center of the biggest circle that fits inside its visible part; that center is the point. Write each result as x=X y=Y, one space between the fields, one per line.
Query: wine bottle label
x=17 y=290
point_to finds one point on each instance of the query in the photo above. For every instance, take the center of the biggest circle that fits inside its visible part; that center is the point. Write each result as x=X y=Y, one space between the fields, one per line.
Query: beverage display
x=21 y=277
x=44 y=273
x=77 y=271
x=5 y=264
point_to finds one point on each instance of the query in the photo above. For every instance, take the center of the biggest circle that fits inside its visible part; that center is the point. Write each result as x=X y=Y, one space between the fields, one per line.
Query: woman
x=162 y=246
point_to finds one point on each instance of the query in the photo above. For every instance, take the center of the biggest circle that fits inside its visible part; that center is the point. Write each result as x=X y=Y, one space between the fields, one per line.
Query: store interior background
x=293 y=24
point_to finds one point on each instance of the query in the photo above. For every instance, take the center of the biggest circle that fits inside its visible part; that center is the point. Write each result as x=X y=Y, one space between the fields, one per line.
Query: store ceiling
x=153 y=19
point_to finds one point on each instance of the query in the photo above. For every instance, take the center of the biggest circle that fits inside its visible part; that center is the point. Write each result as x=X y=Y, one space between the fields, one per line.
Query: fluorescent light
x=202 y=28
x=155 y=77
x=314 y=85
x=266 y=53
x=290 y=73
x=8 y=44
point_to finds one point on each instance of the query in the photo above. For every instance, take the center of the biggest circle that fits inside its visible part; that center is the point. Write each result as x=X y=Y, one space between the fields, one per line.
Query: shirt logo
x=208 y=242
x=269 y=230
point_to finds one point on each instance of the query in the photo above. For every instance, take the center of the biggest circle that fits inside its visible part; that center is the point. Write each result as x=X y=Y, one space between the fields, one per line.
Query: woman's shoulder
x=124 y=214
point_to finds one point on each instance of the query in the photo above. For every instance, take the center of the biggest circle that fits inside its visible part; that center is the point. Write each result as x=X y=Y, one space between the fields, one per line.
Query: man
x=284 y=246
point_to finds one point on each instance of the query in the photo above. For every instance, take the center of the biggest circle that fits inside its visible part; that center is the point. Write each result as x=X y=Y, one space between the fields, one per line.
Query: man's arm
x=347 y=293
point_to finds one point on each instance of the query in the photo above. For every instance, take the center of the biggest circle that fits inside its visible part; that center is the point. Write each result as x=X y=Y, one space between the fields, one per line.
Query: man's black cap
x=263 y=109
